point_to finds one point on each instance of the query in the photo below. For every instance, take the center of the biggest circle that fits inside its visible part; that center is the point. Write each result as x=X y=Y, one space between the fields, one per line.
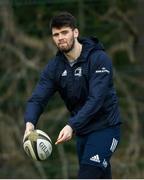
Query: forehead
x=58 y=30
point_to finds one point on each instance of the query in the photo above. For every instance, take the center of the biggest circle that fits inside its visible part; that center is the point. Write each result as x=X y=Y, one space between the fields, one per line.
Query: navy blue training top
x=86 y=88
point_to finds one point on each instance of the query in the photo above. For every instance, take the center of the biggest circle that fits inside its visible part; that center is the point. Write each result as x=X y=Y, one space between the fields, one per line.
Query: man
x=81 y=72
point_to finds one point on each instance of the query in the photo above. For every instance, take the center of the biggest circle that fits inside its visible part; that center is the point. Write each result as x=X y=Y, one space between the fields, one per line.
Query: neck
x=75 y=52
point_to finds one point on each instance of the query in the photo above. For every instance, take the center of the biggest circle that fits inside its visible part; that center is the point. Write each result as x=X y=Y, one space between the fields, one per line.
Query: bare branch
x=124 y=46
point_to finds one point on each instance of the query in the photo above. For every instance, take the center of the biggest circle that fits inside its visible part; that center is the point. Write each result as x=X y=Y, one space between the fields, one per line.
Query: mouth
x=62 y=43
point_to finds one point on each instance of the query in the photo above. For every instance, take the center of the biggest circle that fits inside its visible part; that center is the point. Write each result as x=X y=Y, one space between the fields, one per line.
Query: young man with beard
x=81 y=72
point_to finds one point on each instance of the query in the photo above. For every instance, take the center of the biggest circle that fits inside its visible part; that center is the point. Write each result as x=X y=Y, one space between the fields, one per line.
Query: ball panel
x=44 y=148
x=33 y=136
x=29 y=149
x=37 y=145
x=34 y=146
x=43 y=134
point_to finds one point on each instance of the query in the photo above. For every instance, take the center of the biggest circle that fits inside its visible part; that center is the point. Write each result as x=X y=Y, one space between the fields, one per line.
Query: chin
x=64 y=50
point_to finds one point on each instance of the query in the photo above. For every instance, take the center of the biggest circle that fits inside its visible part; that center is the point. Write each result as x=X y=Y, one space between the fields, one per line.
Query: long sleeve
x=100 y=78
x=44 y=89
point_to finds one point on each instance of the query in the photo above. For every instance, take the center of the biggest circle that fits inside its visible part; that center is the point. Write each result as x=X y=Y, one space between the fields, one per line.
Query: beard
x=68 y=46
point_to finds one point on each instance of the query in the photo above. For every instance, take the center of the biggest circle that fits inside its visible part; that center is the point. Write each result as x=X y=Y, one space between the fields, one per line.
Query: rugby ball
x=37 y=145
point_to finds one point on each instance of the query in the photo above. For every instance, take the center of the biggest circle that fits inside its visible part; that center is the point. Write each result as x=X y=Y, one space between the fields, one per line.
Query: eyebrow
x=63 y=31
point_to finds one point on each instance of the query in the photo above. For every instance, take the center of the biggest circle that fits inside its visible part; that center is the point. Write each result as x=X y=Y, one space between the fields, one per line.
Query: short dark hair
x=63 y=19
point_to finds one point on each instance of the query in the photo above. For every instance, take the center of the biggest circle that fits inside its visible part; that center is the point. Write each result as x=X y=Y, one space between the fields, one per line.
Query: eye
x=64 y=32
x=55 y=35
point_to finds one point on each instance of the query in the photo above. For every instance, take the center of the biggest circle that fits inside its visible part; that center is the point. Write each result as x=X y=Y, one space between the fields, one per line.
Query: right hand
x=29 y=128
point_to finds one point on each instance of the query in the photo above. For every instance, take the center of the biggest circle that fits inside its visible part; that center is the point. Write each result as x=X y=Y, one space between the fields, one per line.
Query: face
x=64 y=38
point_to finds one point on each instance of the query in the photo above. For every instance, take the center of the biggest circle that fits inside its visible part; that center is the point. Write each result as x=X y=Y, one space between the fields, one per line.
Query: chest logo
x=78 y=71
x=102 y=70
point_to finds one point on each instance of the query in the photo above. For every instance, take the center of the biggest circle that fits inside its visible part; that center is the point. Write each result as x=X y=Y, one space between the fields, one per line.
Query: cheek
x=55 y=41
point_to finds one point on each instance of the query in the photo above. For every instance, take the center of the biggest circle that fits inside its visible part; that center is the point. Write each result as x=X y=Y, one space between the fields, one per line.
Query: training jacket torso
x=86 y=88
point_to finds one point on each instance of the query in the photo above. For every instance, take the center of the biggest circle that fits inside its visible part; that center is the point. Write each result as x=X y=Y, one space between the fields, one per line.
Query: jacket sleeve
x=44 y=89
x=99 y=81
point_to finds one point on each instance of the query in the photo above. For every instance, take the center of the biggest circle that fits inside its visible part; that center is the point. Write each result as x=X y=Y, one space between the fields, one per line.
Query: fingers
x=61 y=138
x=65 y=135
x=61 y=134
x=25 y=135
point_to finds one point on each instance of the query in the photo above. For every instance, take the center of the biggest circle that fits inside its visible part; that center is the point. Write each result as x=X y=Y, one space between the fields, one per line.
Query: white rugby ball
x=37 y=145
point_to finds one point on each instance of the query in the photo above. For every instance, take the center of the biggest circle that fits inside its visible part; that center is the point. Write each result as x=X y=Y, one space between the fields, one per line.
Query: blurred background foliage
x=26 y=47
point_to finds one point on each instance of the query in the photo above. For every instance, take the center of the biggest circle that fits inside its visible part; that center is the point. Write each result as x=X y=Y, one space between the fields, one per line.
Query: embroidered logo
x=78 y=71
x=95 y=158
x=102 y=70
x=64 y=73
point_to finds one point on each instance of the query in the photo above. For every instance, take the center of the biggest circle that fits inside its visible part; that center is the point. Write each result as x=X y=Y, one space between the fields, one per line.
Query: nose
x=60 y=37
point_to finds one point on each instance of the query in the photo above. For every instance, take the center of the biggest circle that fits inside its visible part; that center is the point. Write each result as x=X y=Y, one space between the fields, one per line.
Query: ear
x=76 y=32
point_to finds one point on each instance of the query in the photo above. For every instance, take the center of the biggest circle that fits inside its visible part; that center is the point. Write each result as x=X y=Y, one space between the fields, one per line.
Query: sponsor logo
x=43 y=147
x=95 y=158
x=102 y=70
x=78 y=71
x=64 y=73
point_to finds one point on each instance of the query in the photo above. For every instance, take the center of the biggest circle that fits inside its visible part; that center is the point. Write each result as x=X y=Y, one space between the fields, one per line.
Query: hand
x=29 y=128
x=65 y=134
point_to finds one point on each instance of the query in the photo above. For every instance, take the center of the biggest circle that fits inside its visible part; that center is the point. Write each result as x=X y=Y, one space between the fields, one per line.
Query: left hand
x=65 y=134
